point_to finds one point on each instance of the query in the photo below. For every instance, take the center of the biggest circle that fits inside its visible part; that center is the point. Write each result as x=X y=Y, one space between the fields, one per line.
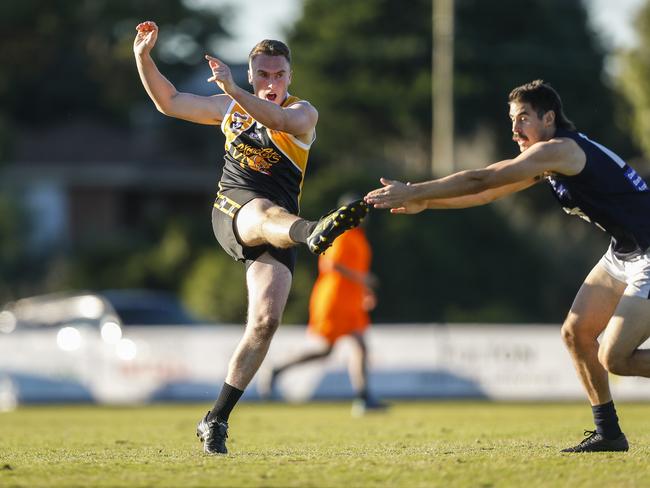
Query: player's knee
x=613 y=362
x=274 y=212
x=569 y=334
x=264 y=326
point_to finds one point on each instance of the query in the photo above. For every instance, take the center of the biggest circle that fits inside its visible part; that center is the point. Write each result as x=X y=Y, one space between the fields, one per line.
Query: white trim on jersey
x=612 y=155
x=301 y=144
x=225 y=116
x=298 y=142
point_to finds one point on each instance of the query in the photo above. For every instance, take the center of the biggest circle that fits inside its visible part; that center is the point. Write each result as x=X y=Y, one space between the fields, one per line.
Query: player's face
x=528 y=127
x=270 y=77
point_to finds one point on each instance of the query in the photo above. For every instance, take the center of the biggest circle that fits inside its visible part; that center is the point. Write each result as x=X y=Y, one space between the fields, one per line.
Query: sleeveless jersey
x=268 y=162
x=607 y=193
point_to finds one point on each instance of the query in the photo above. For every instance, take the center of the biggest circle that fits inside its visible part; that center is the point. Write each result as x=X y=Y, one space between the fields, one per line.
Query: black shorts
x=225 y=208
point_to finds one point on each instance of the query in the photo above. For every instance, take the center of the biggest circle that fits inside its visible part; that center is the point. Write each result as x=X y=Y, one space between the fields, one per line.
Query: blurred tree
x=156 y=258
x=474 y=265
x=16 y=270
x=500 y=45
x=215 y=287
x=61 y=59
x=634 y=81
x=366 y=67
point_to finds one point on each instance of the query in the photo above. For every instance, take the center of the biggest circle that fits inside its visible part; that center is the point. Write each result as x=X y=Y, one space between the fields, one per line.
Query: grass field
x=445 y=444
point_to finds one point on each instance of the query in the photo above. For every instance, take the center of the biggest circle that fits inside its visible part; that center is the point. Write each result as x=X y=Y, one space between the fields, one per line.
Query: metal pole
x=442 y=91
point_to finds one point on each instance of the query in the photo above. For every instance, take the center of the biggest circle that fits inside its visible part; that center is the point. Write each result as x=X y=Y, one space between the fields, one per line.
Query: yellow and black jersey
x=266 y=161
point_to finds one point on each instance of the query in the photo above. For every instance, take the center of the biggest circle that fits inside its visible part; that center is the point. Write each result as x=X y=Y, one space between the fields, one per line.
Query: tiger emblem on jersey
x=240 y=122
x=257 y=159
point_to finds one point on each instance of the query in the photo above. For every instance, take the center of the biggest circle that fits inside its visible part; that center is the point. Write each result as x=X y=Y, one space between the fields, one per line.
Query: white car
x=69 y=347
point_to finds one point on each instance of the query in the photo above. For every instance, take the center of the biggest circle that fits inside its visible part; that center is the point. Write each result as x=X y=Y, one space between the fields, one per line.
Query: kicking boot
x=334 y=223
x=213 y=434
x=594 y=442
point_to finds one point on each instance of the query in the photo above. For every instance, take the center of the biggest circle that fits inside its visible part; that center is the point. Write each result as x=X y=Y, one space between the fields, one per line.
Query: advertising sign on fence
x=508 y=362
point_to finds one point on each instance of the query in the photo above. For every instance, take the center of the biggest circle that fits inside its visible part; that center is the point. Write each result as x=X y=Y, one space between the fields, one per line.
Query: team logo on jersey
x=560 y=190
x=256 y=158
x=635 y=179
x=237 y=121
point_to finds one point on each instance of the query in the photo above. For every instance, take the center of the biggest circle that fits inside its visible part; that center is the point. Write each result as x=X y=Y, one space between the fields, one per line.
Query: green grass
x=446 y=444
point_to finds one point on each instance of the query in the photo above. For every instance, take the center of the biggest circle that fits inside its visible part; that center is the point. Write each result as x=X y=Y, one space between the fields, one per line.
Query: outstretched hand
x=146 y=37
x=221 y=74
x=396 y=196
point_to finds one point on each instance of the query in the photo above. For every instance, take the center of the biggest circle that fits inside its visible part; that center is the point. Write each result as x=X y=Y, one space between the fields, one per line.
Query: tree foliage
x=366 y=67
x=500 y=45
x=16 y=270
x=634 y=78
x=65 y=58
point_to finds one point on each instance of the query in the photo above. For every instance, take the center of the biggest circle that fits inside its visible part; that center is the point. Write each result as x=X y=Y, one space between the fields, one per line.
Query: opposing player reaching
x=268 y=137
x=590 y=181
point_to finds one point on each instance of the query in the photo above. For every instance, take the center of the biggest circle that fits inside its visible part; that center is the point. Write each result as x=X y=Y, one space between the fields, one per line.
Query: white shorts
x=635 y=272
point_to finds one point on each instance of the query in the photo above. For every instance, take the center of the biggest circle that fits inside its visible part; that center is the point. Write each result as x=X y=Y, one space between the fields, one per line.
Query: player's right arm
x=168 y=100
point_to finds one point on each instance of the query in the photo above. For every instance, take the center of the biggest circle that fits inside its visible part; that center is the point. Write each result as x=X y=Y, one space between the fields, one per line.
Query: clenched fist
x=146 y=37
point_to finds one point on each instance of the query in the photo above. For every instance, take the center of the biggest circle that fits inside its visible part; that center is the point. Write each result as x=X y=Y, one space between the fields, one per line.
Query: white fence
x=514 y=362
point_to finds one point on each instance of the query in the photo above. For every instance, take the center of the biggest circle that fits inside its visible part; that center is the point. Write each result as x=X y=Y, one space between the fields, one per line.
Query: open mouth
x=271 y=97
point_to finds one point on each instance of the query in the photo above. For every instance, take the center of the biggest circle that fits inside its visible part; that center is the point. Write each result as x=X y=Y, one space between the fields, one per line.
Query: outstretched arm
x=298 y=119
x=169 y=101
x=465 y=201
x=482 y=198
x=477 y=187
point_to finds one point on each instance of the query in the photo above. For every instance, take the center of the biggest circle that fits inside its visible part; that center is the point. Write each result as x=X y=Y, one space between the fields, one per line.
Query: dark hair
x=270 y=48
x=542 y=97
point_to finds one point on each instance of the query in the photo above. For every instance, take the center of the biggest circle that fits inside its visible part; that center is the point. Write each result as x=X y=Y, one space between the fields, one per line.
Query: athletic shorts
x=635 y=272
x=225 y=209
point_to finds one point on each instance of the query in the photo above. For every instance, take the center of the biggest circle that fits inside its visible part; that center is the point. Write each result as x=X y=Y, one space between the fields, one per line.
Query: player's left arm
x=367 y=279
x=298 y=119
x=554 y=156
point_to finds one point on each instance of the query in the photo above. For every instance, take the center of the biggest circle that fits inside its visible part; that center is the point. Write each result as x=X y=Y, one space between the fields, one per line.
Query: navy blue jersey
x=607 y=193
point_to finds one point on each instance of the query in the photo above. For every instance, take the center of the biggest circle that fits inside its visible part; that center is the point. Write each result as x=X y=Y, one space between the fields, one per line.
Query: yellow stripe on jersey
x=291 y=148
x=296 y=150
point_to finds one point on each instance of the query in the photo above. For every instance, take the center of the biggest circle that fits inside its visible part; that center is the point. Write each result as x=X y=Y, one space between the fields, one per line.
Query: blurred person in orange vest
x=340 y=301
